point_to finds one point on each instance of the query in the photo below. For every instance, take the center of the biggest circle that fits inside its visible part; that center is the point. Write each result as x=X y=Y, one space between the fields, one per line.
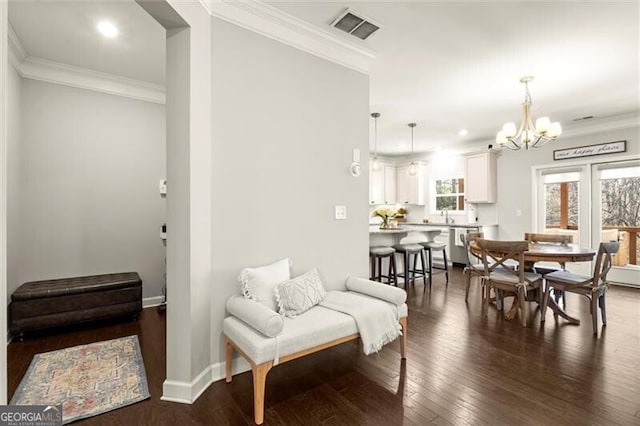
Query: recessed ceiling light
x=107 y=29
x=463 y=132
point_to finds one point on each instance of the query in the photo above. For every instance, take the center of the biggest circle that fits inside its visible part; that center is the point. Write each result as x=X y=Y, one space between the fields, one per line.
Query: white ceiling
x=444 y=65
x=65 y=32
x=454 y=65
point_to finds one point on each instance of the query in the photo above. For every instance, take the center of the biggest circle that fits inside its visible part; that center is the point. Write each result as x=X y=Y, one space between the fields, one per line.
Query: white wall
x=515 y=177
x=284 y=125
x=89 y=172
x=14 y=95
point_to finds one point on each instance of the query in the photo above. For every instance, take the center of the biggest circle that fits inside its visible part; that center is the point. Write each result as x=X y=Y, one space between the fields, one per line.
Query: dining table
x=541 y=252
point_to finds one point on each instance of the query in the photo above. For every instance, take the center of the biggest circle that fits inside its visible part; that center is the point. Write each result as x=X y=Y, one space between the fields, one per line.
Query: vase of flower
x=385 y=223
x=386 y=214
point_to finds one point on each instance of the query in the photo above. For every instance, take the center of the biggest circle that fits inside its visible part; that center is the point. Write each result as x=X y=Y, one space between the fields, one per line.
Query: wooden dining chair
x=499 y=276
x=593 y=288
x=559 y=239
x=473 y=268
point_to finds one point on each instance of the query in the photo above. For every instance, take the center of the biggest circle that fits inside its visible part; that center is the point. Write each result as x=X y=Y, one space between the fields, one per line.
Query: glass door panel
x=563 y=207
x=616 y=199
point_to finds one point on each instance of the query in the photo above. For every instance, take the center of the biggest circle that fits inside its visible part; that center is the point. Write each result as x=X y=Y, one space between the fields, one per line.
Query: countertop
x=405 y=228
x=453 y=225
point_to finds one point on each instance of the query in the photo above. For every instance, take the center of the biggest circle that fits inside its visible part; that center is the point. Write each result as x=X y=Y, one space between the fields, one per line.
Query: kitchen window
x=450 y=194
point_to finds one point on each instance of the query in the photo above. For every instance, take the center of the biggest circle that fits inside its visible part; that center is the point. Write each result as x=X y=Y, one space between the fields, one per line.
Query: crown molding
x=55 y=72
x=17 y=54
x=271 y=22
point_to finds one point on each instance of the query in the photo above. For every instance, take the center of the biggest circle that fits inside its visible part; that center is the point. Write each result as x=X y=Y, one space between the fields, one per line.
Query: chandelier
x=528 y=135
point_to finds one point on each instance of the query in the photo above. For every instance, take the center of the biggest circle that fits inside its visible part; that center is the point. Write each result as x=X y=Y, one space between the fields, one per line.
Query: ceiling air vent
x=354 y=24
x=586 y=117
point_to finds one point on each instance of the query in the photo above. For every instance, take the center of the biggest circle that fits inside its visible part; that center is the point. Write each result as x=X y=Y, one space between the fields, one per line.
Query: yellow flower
x=385 y=212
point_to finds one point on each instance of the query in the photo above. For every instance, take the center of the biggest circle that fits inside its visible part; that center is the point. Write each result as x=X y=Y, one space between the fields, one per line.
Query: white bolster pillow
x=257 y=315
x=390 y=294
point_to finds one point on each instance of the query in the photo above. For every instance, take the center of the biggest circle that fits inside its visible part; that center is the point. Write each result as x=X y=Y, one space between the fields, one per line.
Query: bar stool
x=410 y=274
x=376 y=254
x=430 y=247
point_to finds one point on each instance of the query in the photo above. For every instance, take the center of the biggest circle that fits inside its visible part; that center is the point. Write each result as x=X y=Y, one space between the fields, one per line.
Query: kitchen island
x=405 y=234
x=450 y=235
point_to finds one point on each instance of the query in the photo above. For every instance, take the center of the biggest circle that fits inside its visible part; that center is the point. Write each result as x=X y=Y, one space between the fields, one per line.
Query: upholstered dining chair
x=496 y=256
x=473 y=269
x=593 y=288
x=559 y=239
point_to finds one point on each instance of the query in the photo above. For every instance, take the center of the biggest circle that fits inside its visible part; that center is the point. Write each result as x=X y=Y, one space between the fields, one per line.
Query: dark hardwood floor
x=461 y=369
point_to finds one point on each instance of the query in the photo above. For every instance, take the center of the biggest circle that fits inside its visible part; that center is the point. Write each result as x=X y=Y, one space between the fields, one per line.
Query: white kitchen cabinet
x=390 y=184
x=382 y=185
x=410 y=189
x=376 y=186
x=480 y=179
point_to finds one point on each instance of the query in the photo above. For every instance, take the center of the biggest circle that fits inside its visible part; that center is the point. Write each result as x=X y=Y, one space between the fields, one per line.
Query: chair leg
x=373 y=267
x=406 y=270
x=228 y=359
x=467 y=283
x=415 y=267
x=403 y=341
x=603 y=309
x=424 y=268
x=259 y=381
x=392 y=263
x=379 y=268
x=430 y=268
x=594 y=313
x=486 y=301
x=446 y=266
x=523 y=308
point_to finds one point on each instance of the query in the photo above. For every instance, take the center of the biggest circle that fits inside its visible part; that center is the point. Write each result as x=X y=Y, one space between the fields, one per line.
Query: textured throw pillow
x=300 y=294
x=259 y=283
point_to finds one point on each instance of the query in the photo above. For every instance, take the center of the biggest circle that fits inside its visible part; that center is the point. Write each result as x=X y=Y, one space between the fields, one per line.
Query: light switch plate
x=162 y=187
x=340 y=212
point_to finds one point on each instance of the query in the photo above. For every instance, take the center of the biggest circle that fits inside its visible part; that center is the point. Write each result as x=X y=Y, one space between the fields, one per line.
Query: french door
x=615 y=191
x=593 y=203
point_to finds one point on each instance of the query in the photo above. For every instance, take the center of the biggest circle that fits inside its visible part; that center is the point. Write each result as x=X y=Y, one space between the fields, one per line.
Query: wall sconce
x=355 y=168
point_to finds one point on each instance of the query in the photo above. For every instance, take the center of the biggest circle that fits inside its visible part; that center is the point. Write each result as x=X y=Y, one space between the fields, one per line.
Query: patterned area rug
x=87 y=380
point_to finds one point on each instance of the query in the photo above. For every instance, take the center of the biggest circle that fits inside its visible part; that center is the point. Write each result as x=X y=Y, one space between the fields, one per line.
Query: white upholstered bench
x=266 y=339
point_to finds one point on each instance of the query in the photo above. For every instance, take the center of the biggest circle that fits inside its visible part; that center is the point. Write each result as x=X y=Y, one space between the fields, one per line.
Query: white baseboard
x=150 y=302
x=240 y=365
x=184 y=392
x=187 y=393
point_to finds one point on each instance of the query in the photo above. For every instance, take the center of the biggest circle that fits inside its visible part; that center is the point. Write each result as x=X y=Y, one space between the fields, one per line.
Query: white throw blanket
x=377 y=324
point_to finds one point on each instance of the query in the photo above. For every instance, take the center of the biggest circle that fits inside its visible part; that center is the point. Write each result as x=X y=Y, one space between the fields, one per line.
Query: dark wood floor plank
x=463 y=369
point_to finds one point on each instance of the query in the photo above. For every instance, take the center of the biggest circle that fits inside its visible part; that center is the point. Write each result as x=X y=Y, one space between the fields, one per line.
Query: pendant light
x=413 y=169
x=375 y=165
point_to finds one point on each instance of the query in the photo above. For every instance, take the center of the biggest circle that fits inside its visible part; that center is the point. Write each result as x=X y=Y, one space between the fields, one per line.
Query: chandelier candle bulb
x=555 y=130
x=542 y=124
x=509 y=130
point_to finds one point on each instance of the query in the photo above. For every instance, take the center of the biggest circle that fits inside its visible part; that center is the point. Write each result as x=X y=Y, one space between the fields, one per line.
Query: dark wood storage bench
x=44 y=304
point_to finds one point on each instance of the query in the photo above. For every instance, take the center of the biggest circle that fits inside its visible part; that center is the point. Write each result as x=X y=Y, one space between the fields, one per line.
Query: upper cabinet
x=480 y=178
x=410 y=189
x=382 y=185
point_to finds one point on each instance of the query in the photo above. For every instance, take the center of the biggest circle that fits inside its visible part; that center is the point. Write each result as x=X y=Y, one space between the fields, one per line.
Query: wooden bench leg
x=228 y=359
x=403 y=342
x=259 y=381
